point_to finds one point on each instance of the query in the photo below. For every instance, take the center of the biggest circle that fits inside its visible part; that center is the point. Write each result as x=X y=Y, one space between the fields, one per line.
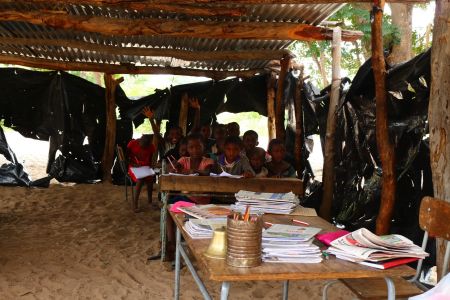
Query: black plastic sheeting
x=69 y=112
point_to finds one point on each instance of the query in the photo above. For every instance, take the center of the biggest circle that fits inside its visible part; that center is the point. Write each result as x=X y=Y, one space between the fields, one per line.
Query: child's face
x=231 y=152
x=145 y=141
x=233 y=129
x=182 y=150
x=257 y=162
x=219 y=133
x=205 y=131
x=174 y=135
x=195 y=148
x=278 y=152
x=250 y=142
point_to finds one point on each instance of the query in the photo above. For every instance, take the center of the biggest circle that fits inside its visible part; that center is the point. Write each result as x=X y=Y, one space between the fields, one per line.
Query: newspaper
x=362 y=245
x=209 y=211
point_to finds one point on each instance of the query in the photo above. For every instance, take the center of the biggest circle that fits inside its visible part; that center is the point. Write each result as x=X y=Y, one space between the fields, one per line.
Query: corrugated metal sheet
x=308 y=14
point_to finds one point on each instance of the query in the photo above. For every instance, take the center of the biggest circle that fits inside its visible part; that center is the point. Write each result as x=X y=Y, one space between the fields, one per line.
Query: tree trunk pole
x=384 y=144
x=438 y=112
x=110 y=135
x=279 y=120
x=184 y=109
x=299 y=125
x=328 y=165
x=271 y=106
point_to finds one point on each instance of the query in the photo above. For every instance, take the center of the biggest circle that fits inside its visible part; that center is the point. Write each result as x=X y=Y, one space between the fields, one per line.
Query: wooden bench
x=434 y=219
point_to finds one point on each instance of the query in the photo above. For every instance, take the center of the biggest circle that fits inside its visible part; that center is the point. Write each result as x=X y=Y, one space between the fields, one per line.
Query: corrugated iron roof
x=294 y=13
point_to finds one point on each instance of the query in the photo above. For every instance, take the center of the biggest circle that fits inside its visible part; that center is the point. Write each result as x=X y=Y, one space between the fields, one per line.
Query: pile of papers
x=273 y=203
x=362 y=246
x=290 y=244
x=203 y=228
x=208 y=211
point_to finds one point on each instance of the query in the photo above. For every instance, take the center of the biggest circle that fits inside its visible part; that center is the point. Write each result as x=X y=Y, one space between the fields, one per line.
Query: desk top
x=333 y=268
x=208 y=184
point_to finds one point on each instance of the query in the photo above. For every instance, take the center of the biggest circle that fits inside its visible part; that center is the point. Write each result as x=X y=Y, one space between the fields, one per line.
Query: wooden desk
x=218 y=270
x=217 y=185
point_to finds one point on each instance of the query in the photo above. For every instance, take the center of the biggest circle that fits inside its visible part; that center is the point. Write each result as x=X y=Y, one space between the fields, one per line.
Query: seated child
x=195 y=162
x=257 y=158
x=233 y=129
x=231 y=161
x=219 y=134
x=278 y=167
x=140 y=154
x=249 y=141
x=179 y=151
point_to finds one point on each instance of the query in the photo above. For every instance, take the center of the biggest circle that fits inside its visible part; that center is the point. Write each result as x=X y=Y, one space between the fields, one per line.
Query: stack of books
x=274 y=203
x=203 y=228
x=382 y=252
x=290 y=244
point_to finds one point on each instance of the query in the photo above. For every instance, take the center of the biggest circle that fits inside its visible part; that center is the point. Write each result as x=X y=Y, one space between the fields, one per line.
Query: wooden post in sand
x=328 y=164
x=298 y=125
x=384 y=143
x=279 y=108
x=110 y=135
x=271 y=105
x=438 y=113
x=184 y=109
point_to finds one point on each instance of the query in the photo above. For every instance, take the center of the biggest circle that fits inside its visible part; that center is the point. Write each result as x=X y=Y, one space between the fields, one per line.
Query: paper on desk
x=225 y=174
x=142 y=172
x=179 y=174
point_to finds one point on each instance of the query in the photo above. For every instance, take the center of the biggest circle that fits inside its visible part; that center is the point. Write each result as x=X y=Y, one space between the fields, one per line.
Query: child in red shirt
x=140 y=153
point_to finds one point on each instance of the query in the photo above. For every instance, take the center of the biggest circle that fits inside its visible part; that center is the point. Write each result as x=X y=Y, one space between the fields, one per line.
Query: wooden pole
x=184 y=109
x=279 y=107
x=438 y=113
x=299 y=125
x=384 y=144
x=189 y=28
x=328 y=162
x=110 y=134
x=271 y=80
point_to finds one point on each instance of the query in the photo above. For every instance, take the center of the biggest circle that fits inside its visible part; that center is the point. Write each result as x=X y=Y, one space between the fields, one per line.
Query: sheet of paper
x=142 y=172
x=225 y=174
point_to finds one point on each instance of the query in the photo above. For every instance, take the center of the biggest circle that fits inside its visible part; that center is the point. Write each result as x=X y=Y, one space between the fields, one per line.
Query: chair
x=123 y=166
x=434 y=219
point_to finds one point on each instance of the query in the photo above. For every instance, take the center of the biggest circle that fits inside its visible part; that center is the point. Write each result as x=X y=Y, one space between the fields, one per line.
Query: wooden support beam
x=385 y=145
x=279 y=105
x=184 y=109
x=438 y=113
x=120 y=49
x=328 y=177
x=190 y=4
x=120 y=69
x=176 y=28
x=271 y=82
x=110 y=135
x=299 y=126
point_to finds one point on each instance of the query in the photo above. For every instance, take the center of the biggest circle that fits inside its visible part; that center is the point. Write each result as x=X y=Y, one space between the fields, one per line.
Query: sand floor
x=84 y=242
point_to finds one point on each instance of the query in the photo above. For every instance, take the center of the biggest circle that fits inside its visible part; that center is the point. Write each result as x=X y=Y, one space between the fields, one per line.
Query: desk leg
x=162 y=226
x=391 y=288
x=286 y=290
x=177 y=266
x=224 y=290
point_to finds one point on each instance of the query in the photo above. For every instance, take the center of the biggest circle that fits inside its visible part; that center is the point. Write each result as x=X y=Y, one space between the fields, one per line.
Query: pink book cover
x=327 y=238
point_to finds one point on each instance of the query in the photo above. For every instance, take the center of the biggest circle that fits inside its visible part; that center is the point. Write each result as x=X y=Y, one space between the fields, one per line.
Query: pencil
x=268 y=223
x=247 y=213
x=168 y=158
x=300 y=222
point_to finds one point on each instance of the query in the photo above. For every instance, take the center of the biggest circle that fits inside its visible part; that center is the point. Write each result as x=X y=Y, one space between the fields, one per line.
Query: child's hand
x=148 y=112
x=193 y=102
x=248 y=174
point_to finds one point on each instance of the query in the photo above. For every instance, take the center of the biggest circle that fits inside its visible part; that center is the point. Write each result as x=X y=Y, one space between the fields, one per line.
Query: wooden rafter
x=140 y=51
x=120 y=69
x=186 y=5
x=177 y=28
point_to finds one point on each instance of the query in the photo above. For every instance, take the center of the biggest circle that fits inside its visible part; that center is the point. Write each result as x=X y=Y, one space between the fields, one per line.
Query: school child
x=257 y=158
x=179 y=151
x=171 y=138
x=231 y=161
x=140 y=153
x=233 y=129
x=278 y=167
x=249 y=141
x=219 y=135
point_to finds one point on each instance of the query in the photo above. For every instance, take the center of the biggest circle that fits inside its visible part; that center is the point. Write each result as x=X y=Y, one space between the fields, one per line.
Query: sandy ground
x=84 y=242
